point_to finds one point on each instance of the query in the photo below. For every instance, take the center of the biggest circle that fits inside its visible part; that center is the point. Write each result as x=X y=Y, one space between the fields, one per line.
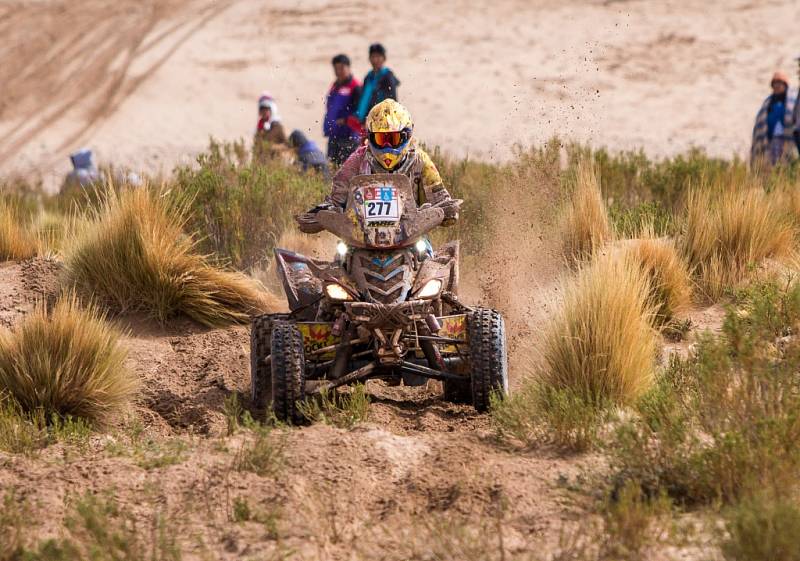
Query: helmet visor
x=392 y=139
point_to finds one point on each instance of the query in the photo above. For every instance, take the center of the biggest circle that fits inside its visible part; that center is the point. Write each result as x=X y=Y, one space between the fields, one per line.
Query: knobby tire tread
x=488 y=358
x=288 y=372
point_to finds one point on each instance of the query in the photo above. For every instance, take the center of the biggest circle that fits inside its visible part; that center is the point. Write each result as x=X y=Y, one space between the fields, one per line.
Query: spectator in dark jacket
x=309 y=156
x=340 y=126
x=379 y=83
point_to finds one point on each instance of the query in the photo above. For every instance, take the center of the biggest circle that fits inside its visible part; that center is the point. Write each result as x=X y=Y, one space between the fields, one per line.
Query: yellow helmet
x=390 y=127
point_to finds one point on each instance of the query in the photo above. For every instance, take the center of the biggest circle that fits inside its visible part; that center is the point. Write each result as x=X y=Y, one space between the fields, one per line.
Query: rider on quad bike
x=387 y=307
x=390 y=148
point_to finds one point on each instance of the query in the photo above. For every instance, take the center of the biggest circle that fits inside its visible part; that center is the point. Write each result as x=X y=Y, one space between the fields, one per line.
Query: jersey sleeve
x=432 y=185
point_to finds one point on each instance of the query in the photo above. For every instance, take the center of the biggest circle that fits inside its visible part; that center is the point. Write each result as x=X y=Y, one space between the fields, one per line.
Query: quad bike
x=386 y=307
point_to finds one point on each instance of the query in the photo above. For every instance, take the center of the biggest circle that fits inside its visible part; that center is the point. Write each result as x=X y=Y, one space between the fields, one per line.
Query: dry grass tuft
x=65 y=362
x=16 y=242
x=133 y=255
x=730 y=232
x=600 y=344
x=670 y=286
x=585 y=225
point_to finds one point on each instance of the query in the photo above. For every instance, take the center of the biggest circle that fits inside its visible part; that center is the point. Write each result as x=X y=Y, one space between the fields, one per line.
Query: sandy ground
x=145 y=83
x=421 y=479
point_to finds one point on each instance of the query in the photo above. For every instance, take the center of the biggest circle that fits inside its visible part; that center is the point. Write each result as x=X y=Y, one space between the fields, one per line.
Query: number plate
x=381 y=204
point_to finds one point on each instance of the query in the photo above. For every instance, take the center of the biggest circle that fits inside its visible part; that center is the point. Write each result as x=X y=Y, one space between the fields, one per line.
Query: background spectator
x=379 y=83
x=269 y=128
x=773 y=133
x=340 y=125
x=309 y=156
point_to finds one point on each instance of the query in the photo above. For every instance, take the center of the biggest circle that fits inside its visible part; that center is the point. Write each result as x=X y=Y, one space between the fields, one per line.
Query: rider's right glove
x=308 y=221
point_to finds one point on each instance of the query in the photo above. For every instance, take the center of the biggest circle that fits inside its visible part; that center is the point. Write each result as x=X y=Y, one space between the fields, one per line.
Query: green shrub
x=537 y=413
x=262 y=452
x=725 y=421
x=101 y=529
x=763 y=528
x=343 y=410
x=241 y=208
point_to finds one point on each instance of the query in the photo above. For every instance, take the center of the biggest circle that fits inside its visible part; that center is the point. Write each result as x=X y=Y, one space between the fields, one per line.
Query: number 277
x=378 y=208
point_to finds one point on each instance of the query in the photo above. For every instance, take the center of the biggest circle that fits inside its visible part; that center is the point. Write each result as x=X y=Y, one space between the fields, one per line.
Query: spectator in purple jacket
x=341 y=126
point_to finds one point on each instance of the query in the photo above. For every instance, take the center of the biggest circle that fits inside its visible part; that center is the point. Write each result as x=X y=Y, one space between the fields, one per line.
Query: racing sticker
x=381 y=204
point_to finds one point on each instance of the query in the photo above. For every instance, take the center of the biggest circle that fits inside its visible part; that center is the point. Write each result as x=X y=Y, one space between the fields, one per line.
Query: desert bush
x=729 y=231
x=133 y=255
x=725 y=421
x=585 y=224
x=100 y=528
x=632 y=221
x=23 y=432
x=630 y=522
x=16 y=240
x=669 y=284
x=241 y=207
x=599 y=344
x=762 y=528
x=537 y=413
x=65 y=361
x=630 y=177
x=473 y=182
x=262 y=452
x=343 y=410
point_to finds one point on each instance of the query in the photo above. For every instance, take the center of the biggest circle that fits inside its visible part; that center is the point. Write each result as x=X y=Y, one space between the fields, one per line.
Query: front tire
x=288 y=367
x=488 y=356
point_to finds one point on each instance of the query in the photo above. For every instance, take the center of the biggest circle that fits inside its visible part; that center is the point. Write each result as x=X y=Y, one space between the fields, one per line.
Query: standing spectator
x=340 y=126
x=379 y=84
x=308 y=155
x=773 y=133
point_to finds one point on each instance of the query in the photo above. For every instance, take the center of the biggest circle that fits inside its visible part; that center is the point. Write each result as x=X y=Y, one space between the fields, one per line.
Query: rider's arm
x=433 y=189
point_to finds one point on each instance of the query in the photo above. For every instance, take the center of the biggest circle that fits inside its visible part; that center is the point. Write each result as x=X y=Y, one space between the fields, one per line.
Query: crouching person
x=309 y=156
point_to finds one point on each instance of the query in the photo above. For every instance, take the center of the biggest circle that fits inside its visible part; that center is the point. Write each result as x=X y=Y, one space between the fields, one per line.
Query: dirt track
x=416 y=462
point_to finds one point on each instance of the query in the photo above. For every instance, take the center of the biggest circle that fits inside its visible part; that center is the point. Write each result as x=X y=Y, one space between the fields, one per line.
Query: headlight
x=421 y=246
x=431 y=289
x=341 y=248
x=337 y=292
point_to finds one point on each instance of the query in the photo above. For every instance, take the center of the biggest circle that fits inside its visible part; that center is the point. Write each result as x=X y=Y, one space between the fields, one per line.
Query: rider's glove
x=450 y=214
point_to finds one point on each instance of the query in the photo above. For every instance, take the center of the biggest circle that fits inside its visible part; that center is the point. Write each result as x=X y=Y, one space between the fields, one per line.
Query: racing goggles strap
x=391 y=139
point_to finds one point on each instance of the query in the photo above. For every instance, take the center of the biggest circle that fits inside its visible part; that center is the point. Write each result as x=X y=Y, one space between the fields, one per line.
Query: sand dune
x=146 y=83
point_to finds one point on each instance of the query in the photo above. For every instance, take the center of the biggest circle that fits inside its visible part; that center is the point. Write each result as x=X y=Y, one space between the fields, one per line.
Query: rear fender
x=302 y=285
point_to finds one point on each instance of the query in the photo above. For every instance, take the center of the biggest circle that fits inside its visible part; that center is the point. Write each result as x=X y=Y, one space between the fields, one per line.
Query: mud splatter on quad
x=386 y=307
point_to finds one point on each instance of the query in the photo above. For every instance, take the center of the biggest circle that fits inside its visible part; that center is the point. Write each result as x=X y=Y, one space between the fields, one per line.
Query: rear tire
x=260 y=373
x=288 y=367
x=488 y=356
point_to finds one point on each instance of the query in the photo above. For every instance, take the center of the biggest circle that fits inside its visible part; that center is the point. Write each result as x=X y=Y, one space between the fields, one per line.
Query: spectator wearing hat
x=773 y=133
x=340 y=125
x=84 y=173
x=379 y=83
x=269 y=129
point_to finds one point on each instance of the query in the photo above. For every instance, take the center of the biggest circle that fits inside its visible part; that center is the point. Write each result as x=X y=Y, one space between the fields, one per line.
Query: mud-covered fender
x=443 y=265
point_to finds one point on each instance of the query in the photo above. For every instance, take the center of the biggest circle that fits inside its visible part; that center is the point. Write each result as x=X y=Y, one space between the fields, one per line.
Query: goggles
x=393 y=139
